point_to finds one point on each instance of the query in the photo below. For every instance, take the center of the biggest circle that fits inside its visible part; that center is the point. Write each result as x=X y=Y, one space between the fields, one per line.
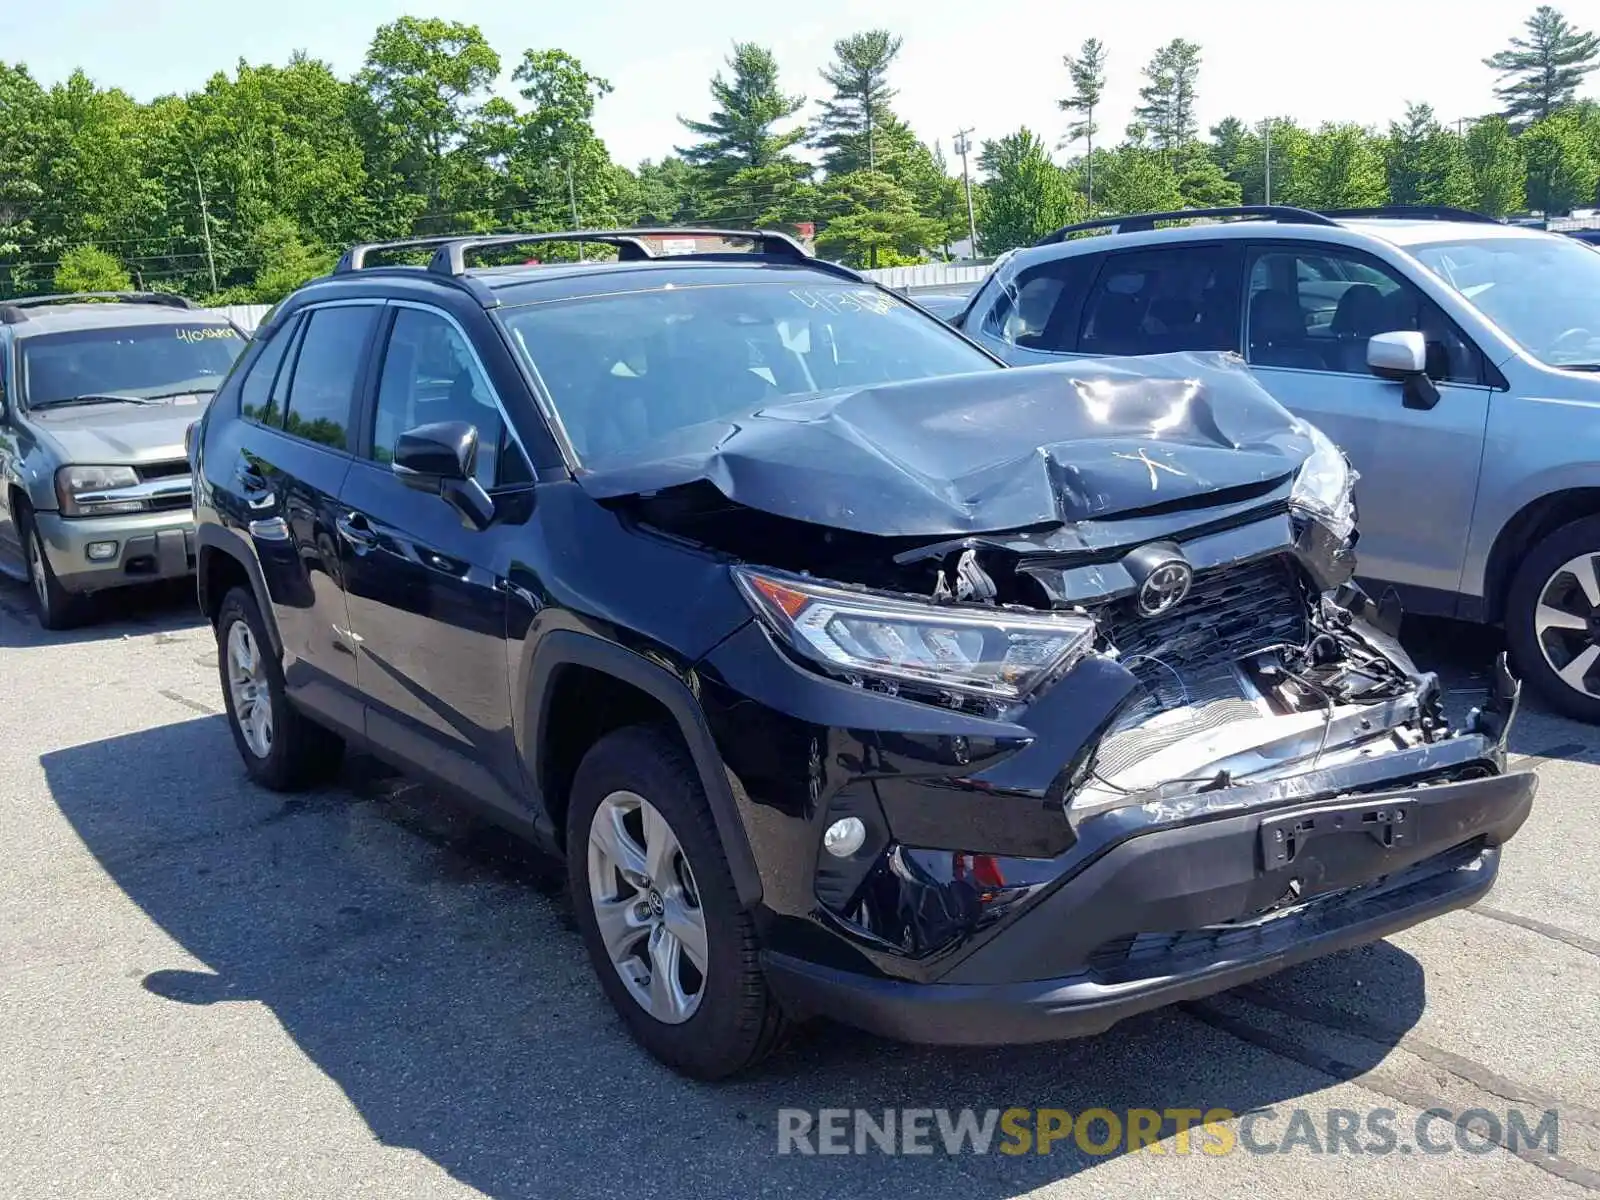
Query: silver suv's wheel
x=281 y=747
x=55 y=607
x=646 y=907
x=1553 y=619
x=675 y=951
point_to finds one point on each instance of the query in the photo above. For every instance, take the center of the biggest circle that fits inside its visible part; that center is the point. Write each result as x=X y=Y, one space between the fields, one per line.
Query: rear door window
x=321 y=391
x=1039 y=309
x=1182 y=297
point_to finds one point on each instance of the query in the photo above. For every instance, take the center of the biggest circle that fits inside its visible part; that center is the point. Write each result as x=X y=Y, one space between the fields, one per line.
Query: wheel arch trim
x=562 y=648
x=217 y=540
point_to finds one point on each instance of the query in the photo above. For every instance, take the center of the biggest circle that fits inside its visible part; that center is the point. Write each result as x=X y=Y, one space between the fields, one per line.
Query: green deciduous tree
x=1344 y=169
x=1025 y=195
x=426 y=81
x=1562 y=171
x=1087 y=73
x=1495 y=168
x=1136 y=179
x=1167 y=100
x=557 y=162
x=1540 y=73
x=89 y=269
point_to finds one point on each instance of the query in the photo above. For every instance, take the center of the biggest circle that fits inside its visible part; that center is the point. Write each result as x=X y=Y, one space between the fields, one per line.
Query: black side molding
x=562 y=648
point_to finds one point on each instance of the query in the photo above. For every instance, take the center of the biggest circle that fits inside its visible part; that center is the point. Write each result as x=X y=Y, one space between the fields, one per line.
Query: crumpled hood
x=1001 y=450
x=114 y=434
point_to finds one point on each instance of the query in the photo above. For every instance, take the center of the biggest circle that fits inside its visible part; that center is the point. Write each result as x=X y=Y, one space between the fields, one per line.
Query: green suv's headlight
x=1325 y=487
x=89 y=491
x=994 y=653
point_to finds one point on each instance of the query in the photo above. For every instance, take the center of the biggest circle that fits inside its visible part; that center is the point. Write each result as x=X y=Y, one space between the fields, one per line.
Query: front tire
x=282 y=748
x=676 y=954
x=1553 y=619
x=54 y=606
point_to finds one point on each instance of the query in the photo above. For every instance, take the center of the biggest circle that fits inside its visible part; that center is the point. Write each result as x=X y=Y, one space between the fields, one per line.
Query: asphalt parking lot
x=212 y=991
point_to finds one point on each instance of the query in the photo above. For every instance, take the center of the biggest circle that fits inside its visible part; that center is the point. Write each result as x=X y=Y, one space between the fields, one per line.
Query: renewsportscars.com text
x=1214 y=1132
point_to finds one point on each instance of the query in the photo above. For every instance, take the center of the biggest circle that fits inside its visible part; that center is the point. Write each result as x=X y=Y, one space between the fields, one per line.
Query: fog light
x=843 y=838
x=101 y=551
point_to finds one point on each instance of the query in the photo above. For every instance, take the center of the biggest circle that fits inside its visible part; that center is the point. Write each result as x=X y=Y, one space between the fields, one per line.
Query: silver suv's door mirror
x=1397 y=355
x=1403 y=356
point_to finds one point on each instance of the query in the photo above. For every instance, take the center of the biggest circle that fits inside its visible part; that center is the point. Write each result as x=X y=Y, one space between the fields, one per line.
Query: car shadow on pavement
x=428 y=965
x=158 y=608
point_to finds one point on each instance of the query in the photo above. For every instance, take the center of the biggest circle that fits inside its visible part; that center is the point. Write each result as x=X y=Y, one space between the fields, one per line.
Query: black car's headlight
x=88 y=491
x=998 y=654
x=1325 y=487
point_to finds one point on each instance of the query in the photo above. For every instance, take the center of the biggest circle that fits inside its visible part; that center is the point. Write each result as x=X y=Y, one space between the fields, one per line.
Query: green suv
x=96 y=393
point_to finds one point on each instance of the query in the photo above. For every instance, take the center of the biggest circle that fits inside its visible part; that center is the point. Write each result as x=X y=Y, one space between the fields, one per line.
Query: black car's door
x=298 y=400
x=425 y=589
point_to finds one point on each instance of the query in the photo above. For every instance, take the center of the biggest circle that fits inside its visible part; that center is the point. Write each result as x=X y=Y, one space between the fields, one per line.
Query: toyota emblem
x=1164 y=588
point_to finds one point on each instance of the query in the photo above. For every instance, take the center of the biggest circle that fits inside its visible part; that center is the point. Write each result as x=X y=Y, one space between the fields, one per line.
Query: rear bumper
x=147 y=547
x=1158 y=919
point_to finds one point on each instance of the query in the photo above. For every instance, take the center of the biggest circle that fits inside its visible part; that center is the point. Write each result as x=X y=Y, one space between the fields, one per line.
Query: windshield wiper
x=211 y=391
x=93 y=398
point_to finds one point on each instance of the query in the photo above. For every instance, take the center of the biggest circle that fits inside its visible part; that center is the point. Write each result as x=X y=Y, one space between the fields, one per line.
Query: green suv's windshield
x=134 y=361
x=628 y=369
x=1543 y=291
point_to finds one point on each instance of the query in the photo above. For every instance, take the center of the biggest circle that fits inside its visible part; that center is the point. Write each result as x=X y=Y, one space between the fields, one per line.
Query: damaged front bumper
x=1007 y=890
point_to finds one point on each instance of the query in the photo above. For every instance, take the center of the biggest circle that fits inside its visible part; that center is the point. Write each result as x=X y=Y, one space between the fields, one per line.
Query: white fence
x=245 y=316
x=931 y=275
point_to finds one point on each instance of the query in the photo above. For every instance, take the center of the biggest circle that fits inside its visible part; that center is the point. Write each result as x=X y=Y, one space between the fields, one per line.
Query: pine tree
x=739 y=134
x=1540 y=74
x=1167 y=111
x=1088 y=75
x=853 y=122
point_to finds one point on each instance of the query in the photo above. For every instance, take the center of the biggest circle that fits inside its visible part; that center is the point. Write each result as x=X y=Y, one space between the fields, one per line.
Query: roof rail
x=1144 y=222
x=450 y=259
x=451 y=250
x=12 y=311
x=1415 y=212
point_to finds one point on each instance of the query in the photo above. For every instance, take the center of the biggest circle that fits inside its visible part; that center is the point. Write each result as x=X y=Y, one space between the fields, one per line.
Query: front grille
x=1230 y=612
x=174 y=468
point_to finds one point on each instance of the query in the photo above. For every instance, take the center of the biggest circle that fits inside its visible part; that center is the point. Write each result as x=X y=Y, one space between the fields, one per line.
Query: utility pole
x=962 y=146
x=1267 y=138
x=205 y=222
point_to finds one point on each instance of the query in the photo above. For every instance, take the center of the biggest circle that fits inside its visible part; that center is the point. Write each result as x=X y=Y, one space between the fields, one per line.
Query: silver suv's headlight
x=993 y=653
x=82 y=491
x=1325 y=487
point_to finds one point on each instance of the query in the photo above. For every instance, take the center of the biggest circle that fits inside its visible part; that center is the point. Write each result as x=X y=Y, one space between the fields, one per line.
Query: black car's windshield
x=627 y=369
x=1543 y=291
x=140 y=361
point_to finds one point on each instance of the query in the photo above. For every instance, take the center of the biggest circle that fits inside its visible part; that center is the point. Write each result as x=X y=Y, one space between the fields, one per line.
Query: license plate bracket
x=1390 y=823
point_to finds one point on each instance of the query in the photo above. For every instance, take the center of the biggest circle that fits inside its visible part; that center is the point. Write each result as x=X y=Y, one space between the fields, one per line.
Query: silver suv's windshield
x=1543 y=291
x=627 y=370
x=132 y=361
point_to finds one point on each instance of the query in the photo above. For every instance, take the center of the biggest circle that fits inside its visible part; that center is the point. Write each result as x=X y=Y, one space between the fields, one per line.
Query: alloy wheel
x=247 y=682
x=1566 y=623
x=36 y=572
x=647 y=907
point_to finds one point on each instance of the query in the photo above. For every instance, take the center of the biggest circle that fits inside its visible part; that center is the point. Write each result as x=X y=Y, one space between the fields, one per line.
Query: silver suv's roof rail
x=13 y=311
x=451 y=250
x=1144 y=222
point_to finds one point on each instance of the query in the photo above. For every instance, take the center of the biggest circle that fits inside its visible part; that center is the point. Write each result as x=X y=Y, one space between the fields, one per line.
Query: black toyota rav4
x=854 y=673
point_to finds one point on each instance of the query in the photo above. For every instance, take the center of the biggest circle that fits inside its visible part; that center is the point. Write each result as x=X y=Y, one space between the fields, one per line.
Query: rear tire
x=1553 y=619
x=635 y=792
x=282 y=748
x=54 y=606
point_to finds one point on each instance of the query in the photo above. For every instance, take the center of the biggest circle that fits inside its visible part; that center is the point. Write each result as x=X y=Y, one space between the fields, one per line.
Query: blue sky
x=993 y=67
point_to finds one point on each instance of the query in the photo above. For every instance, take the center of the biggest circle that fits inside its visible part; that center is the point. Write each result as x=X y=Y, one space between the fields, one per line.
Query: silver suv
x=96 y=393
x=1454 y=358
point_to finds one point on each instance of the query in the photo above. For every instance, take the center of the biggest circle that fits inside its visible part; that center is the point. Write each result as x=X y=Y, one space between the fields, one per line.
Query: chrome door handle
x=354 y=529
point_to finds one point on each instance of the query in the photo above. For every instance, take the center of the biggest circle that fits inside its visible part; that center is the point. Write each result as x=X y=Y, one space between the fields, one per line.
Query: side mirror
x=440 y=459
x=1403 y=357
